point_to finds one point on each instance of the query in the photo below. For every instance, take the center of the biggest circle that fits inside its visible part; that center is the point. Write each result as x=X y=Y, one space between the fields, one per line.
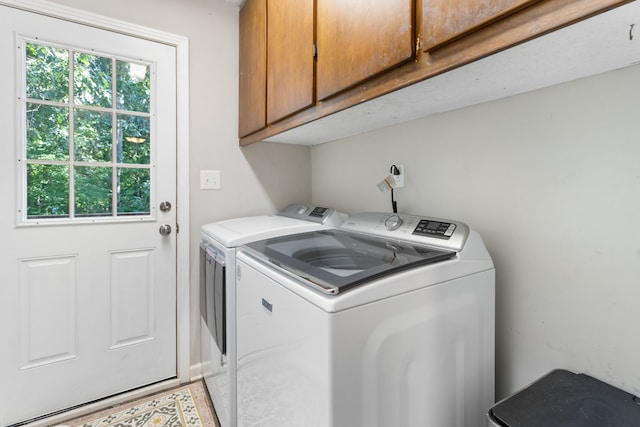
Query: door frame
x=181 y=44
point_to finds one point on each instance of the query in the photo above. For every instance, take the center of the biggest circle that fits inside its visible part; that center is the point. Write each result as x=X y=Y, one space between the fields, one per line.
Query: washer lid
x=333 y=261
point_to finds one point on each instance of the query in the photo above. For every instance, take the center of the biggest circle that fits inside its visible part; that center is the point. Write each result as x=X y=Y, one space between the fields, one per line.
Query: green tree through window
x=87 y=147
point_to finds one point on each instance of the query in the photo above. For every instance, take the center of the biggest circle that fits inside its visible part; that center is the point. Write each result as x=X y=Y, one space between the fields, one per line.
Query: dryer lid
x=333 y=261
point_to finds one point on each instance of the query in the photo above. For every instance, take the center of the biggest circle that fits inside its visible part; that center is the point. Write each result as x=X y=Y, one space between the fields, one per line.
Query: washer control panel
x=439 y=229
x=413 y=228
x=393 y=222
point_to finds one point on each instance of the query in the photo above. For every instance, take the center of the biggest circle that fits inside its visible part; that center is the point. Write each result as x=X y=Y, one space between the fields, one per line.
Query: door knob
x=165 y=229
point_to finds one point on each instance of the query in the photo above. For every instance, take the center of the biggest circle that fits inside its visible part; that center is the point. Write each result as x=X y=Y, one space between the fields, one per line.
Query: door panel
x=88 y=305
x=131 y=292
x=47 y=282
x=358 y=39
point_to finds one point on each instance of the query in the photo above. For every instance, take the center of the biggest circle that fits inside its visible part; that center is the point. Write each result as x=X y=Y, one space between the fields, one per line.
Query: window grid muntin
x=71 y=106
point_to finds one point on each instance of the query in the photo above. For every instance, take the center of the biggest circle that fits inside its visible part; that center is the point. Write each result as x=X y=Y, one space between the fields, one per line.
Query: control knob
x=393 y=222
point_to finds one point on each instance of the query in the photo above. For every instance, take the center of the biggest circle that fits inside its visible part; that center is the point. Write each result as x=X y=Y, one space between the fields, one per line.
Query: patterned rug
x=185 y=406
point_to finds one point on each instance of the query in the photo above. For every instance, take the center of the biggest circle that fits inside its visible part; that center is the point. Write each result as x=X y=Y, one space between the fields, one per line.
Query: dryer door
x=213 y=296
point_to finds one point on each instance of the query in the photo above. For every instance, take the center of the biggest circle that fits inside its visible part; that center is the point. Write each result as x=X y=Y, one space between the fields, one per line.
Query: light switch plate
x=209 y=180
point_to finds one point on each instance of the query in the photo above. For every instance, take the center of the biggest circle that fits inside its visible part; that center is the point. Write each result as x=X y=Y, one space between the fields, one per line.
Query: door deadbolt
x=165 y=206
x=165 y=229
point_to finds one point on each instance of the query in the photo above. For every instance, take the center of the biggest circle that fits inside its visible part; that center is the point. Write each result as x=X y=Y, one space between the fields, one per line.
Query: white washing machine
x=385 y=321
x=218 y=245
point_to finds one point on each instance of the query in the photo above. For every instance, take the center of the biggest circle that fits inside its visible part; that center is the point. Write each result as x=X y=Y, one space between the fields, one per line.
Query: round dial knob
x=393 y=222
x=302 y=209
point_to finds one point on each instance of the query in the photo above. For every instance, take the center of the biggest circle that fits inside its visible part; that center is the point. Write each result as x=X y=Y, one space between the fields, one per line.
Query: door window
x=87 y=145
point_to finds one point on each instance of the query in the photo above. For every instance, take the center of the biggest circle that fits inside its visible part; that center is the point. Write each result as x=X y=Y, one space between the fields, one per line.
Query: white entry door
x=88 y=177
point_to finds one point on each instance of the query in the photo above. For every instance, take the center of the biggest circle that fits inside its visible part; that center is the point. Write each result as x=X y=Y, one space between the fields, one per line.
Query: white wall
x=551 y=180
x=258 y=179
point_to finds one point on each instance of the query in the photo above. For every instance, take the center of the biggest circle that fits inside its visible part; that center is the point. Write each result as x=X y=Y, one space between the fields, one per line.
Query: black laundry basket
x=564 y=399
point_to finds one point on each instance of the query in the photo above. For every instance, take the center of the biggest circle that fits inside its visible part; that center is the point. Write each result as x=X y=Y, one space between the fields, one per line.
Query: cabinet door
x=445 y=20
x=290 y=57
x=358 y=39
x=253 y=67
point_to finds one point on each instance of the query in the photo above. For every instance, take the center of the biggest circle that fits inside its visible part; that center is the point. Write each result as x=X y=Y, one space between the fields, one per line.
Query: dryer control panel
x=413 y=228
x=313 y=213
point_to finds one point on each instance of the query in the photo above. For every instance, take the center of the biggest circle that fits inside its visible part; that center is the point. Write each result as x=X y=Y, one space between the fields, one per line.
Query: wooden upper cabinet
x=290 y=69
x=444 y=21
x=367 y=48
x=358 y=39
x=253 y=67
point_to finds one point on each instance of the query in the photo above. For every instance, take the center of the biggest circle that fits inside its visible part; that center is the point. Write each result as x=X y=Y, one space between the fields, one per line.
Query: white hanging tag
x=389 y=183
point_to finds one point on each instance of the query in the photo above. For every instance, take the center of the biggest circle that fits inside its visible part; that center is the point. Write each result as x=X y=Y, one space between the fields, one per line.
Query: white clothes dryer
x=218 y=245
x=387 y=320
